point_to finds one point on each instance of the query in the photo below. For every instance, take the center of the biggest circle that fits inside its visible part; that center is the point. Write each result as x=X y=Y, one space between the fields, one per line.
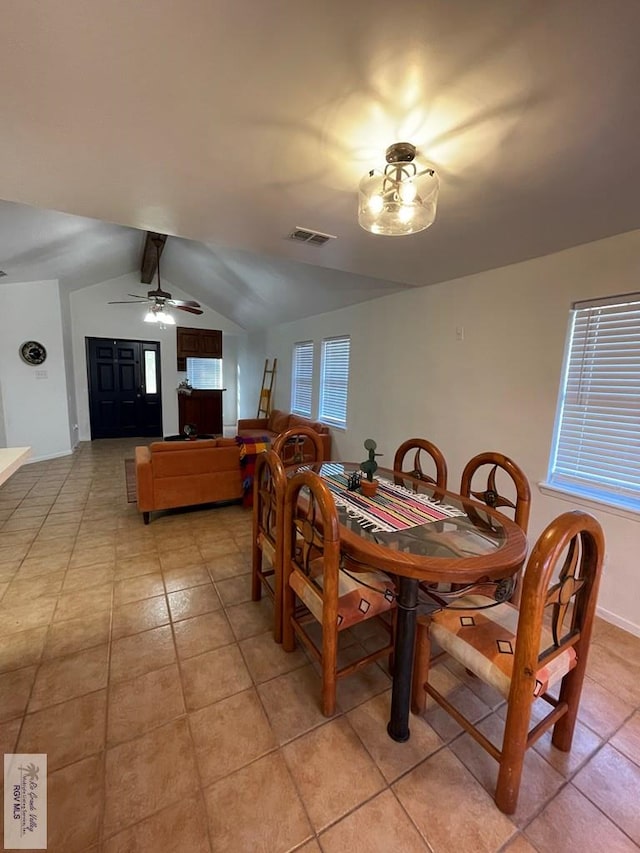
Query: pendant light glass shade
x=157 y=315
x=402 y=198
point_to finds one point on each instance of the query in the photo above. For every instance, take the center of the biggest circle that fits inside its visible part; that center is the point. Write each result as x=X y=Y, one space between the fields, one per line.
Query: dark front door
x=124 y=388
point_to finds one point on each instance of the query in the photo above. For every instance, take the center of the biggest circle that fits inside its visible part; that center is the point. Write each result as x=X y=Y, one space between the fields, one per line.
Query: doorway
x=125 y=398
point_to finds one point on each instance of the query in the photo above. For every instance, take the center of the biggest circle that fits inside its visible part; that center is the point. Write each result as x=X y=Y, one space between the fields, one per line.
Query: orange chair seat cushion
x=484 y=642
x=356 y=602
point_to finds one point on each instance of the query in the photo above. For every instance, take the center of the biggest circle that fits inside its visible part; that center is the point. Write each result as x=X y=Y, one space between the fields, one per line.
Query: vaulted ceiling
x=226 y=124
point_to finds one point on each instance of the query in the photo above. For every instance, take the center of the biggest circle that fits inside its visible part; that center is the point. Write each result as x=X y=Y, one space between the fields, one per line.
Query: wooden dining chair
x=298 y=445
x=425 y=455
x=269 y=485
x=329 y=593
x=515 y=652
x=515 y=502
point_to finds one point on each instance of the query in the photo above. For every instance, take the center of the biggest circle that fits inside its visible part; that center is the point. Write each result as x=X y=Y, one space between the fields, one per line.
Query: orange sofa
x=185 y=473
x=278 y=422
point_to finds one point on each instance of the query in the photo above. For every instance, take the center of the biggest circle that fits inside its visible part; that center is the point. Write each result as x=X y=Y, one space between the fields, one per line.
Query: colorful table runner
x=393 y=508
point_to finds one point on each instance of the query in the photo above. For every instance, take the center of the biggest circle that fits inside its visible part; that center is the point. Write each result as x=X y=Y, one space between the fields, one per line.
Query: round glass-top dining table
x=417 y=532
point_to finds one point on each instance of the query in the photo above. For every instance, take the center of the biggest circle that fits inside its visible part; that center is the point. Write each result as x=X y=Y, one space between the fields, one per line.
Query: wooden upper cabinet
x=188 y=342
x=210 y=343
x=197 y=343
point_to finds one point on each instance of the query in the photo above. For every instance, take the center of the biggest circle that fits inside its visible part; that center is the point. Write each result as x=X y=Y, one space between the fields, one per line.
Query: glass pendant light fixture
x=156 y=314
x=402 y=199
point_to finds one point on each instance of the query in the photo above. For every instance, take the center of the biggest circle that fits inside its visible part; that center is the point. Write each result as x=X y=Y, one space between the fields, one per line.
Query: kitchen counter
x=11 y=458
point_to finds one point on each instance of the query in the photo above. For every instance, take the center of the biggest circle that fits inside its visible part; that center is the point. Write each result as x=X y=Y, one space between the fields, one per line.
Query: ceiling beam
x=150 y=255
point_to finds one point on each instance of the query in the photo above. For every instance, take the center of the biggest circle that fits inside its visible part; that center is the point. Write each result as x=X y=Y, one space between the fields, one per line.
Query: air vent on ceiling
x=307 y=235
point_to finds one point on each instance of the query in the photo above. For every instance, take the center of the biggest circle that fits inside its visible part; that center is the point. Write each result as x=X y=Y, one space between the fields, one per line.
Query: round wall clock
x=33 y=352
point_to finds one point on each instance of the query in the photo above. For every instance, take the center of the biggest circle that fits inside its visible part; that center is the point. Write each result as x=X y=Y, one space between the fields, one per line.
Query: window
x=334 y=381
x=150 y=380
x=596 y=443
x=204 y=373
x=302 y=378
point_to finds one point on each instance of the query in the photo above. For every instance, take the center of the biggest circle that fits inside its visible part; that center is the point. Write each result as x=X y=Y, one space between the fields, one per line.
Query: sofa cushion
x=257 y=434
x=191 y=458
x=182 y=446
x=279 y=421
x=316 y=426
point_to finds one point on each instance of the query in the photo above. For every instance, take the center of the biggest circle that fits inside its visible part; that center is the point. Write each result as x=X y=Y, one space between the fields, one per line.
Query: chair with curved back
x=269 y=486
x=330 y=594
x=512 y=650
x=519 y=503
x=425 y=453
x=298 y=445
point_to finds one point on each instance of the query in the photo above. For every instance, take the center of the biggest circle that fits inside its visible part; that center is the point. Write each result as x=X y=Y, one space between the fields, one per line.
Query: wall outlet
x=459 y=333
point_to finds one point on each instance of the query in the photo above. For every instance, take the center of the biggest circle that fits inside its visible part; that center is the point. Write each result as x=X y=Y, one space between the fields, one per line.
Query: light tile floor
x=134 y=657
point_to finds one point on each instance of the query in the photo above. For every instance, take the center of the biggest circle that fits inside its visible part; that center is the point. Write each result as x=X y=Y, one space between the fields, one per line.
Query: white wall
x=92 y=316
x=34 y=399
x=251 y=360
x=494 y=390
x=67 y=345
x=3 y=435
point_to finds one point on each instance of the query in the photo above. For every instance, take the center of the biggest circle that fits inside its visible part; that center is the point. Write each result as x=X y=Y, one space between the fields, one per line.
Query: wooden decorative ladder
x=265 y=399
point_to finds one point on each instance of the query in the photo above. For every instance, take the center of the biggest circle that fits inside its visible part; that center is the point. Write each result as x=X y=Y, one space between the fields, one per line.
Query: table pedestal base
x=398 y=727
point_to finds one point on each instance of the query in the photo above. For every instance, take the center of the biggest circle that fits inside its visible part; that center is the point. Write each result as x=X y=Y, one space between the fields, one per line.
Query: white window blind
x=596 y=446
x=204 y=373
x=334 y=381
x=302 y=378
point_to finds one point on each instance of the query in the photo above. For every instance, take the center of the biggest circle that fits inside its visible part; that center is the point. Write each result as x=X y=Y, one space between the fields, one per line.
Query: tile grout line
x=48 y=627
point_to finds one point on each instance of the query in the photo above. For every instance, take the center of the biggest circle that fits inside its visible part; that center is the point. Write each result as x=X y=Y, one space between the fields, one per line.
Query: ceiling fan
x=159 y=300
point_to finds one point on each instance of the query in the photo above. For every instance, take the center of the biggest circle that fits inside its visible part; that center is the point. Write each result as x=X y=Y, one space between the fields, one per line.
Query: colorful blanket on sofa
x=250 y=447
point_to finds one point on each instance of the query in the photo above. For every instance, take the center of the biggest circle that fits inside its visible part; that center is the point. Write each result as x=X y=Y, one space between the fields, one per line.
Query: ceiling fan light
x=165 y=318
x=150 y=317
x=401 y=198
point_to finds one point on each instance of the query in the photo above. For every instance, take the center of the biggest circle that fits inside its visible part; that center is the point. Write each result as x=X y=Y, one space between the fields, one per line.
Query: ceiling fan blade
x=189 y=309
x=135 y=296
x=125 y=302
x=189 y=303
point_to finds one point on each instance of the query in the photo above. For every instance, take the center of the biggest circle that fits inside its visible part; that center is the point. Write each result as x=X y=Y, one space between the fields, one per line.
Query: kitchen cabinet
x=197 y=343
x=202 y=408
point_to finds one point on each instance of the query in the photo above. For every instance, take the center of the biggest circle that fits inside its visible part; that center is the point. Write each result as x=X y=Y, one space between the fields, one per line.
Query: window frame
x=302 y=347
x=597 y=418
x=219 y=369
x=328 y=417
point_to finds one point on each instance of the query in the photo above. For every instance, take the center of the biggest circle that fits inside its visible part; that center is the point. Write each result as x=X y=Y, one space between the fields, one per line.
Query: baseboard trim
x=618 y=621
